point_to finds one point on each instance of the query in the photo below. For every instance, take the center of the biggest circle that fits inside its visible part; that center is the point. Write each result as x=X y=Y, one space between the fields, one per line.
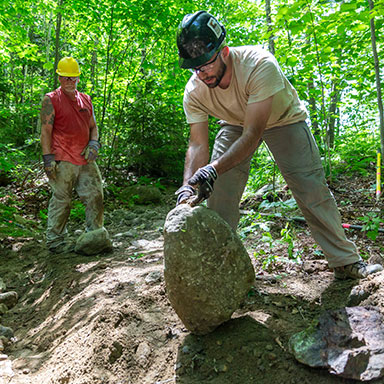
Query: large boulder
x=94 y=242
x=207 y=269
x=349 y=342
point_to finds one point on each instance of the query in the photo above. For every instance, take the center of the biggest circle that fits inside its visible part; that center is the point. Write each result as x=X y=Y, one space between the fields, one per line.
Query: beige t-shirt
x=256 y=76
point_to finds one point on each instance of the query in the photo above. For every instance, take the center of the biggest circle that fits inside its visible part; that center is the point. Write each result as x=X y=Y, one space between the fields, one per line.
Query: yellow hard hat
x=68 y=66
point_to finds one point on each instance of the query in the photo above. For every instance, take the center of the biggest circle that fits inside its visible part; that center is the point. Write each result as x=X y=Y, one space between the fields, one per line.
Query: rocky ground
x=106 y=319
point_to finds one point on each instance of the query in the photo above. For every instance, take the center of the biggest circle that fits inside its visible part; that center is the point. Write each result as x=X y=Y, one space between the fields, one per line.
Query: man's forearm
x=241 y=149
x=196 y=157
x=94 y=133
x=45 y=141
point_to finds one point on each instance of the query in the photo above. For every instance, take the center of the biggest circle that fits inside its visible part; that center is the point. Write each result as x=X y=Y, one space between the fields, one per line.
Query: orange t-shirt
x=71 y=127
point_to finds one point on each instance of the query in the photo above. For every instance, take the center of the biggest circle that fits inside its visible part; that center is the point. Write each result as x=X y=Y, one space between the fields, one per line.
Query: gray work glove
x=203 y=179
x=184 y=194
x=50 y=166
x=91 y=151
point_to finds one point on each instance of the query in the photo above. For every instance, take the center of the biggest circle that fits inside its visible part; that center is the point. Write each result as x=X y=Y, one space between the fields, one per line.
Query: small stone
x=9 y=298
x=3 y=357
x=142 y=354
x=153 y=277
x=186 y=349
x=3 y=309
x=26 y=371
x=3 y=287
x=271 y=356
x=116 y=352
x=6 y=332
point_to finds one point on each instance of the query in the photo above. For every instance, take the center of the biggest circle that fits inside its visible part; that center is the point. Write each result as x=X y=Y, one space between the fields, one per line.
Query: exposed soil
x=106 y=319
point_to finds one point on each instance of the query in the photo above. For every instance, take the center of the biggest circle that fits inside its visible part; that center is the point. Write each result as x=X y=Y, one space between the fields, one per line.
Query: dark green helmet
x=199 y=36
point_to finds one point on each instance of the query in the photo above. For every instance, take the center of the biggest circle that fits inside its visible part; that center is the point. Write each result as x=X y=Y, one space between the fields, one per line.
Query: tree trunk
x=332 y=115
x=271 y=43
x=57 y=43
x=377 y=73
x=313 y=110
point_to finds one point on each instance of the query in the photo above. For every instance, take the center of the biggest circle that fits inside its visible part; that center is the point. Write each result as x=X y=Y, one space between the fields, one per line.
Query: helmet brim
x=68 y=74
x=196 y=61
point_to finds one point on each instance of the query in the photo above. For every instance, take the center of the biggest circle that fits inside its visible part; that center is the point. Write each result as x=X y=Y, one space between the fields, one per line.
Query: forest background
x=330 y=51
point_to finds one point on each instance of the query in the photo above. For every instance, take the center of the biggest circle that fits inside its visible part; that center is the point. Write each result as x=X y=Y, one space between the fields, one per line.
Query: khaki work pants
x=86 y=180
x=297 y=156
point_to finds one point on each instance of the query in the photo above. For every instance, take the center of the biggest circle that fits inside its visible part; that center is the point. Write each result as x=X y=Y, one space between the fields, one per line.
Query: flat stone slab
x=349 y=342
x=208 y=272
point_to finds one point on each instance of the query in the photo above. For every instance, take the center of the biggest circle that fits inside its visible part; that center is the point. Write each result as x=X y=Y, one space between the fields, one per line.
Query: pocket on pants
x=293 y=148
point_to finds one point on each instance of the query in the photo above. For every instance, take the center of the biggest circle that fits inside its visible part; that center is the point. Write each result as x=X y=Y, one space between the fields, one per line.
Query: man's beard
x=218 y=77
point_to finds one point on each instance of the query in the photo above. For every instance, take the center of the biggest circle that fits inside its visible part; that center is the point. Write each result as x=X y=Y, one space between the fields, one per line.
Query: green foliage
x=11 y=161
x=129 y=63
x=77 y=211
x=356 y=153
x=371 y=224
x=12 y=223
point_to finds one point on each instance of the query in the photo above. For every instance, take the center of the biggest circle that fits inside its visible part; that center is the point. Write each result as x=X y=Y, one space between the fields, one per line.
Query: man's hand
x=50 y=166
x=91 y=151
x=184 y=194
x=203 y=179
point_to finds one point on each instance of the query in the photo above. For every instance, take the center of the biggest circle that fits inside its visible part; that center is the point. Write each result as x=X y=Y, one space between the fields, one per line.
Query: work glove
x=50 y=166
x=204 y=179
x=184 y=194
x=91 y=151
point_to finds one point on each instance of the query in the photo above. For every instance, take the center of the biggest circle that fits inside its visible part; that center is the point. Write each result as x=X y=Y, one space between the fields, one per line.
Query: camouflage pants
x=86 y=181
x=297 y=156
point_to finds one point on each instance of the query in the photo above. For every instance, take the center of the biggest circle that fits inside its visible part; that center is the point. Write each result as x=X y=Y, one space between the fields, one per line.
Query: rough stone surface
x=94 y=242
x=9 y=299
x=207 y=269
x=349 y=342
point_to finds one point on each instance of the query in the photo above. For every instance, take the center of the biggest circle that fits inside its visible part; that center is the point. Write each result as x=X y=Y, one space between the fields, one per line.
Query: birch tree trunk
x=377 y=73
x=271 y=43
x=57 y=43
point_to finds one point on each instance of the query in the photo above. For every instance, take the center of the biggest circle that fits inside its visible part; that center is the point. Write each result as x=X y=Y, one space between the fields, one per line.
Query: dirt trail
x=106 y=319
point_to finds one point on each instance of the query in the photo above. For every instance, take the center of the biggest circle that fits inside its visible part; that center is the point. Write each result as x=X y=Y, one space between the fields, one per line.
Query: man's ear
x=225 y=52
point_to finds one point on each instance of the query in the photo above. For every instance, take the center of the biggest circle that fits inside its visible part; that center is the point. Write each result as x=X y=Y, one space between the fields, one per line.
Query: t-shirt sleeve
x=265 y=80
x=193 y=111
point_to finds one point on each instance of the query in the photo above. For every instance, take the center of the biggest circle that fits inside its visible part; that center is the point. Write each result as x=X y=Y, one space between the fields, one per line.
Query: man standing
x=69 y=141
x=245 y=88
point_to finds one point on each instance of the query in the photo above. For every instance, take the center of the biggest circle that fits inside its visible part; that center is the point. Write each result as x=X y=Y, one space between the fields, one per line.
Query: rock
x=9 y=299
x=116 y=352
x=3 y=309
x=142 y=354
x=94 y=242
x=207 y=269
x=153 y=277
x=349 y=342
x=357 y=295
x=142 y=194
x=3 y=287
x=6 y=332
